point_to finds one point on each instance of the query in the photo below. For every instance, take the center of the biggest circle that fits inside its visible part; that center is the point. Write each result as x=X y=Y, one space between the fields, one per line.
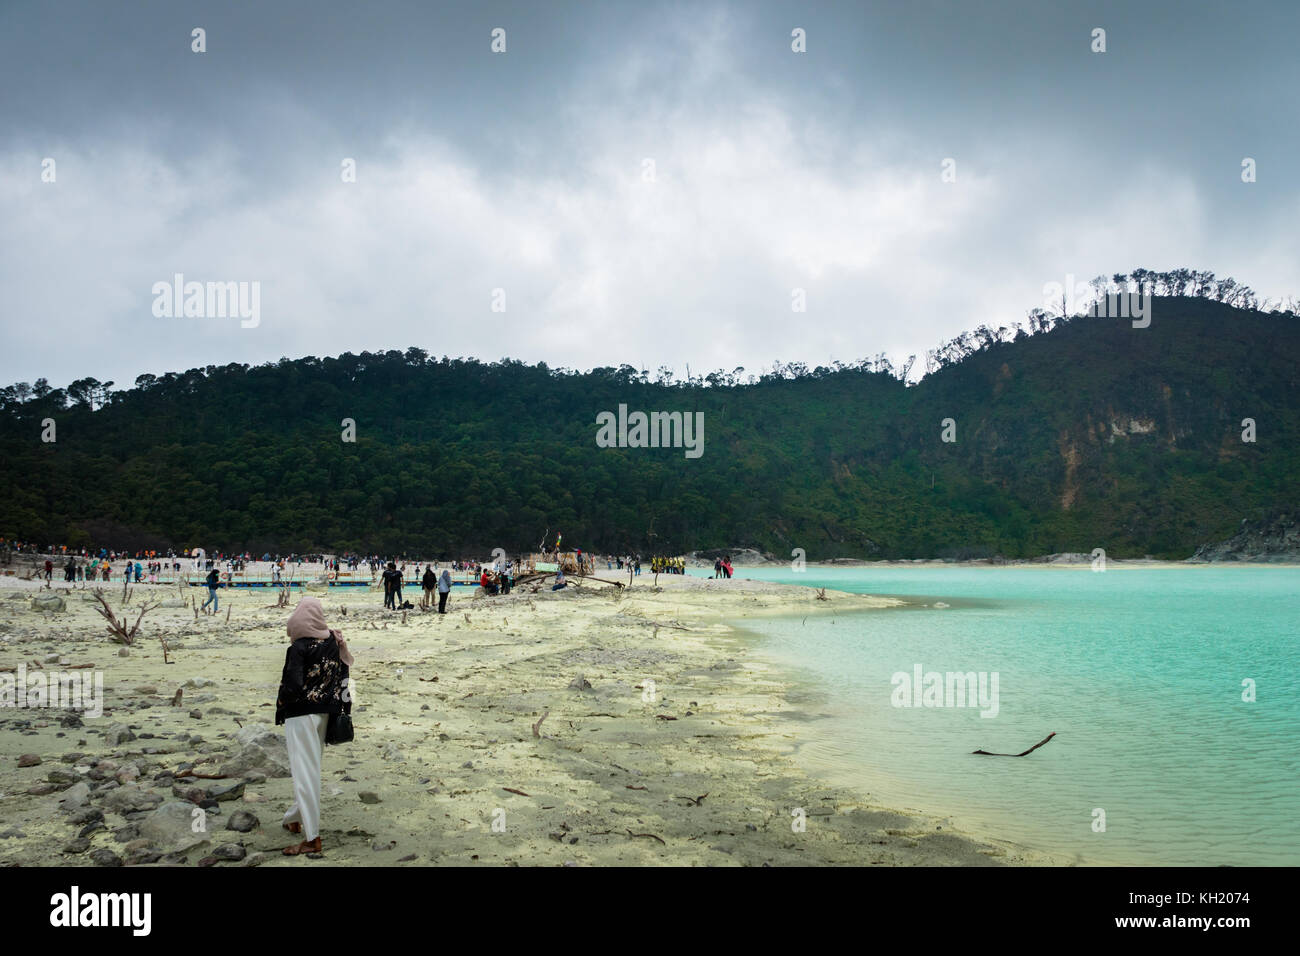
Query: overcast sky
x=526 y=171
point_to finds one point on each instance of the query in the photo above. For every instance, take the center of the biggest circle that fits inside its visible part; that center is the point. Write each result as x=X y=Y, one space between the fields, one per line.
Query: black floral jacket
x=314 y=680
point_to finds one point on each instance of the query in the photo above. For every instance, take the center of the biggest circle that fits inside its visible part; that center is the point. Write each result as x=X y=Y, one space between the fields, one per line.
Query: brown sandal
x=306 y=846
x=294 y=827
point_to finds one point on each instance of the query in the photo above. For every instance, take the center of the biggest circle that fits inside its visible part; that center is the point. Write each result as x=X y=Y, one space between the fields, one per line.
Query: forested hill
x=1089 y=434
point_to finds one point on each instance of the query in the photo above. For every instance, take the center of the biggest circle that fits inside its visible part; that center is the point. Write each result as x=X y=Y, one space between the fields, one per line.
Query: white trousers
x=305 y=737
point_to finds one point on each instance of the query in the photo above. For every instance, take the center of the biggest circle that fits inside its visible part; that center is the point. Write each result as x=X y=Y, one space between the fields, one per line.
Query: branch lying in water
x=1029 y=751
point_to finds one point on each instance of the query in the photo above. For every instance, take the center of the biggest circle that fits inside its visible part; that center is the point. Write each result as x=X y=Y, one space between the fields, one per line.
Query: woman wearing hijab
x=313 y=686
x=444 y=588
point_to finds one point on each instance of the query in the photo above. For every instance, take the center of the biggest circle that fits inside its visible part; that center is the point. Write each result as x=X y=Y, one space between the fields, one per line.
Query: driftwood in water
x=1029 y=751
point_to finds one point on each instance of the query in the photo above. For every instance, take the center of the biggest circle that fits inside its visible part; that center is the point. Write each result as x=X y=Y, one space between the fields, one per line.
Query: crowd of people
x=313 y=696
x=141 y=565
x=106 y=565
x=631 y=562
x=436 y=582
x=101 y=569
x=495 y=579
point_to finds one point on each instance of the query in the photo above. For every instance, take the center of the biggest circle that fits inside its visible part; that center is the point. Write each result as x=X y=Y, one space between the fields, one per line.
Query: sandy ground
x=695 y=768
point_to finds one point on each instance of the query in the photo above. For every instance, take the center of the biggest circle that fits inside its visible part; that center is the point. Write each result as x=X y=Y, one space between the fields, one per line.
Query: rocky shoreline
x=1274 y=540
x=599 y=725
x=1271 y=540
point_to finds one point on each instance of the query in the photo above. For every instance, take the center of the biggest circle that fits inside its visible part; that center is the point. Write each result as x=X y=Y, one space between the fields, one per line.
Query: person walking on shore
x=313 y=686
x=214 y=582
x=444 y=588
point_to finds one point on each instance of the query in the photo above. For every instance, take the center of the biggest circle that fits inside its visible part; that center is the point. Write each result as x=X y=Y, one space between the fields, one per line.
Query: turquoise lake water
x=1138 y=671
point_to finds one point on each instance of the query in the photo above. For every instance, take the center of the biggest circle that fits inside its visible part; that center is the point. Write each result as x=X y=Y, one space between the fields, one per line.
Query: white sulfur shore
x=694 y=769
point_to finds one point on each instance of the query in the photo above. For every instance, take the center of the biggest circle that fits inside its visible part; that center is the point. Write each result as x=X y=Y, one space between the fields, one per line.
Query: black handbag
x=338 y=729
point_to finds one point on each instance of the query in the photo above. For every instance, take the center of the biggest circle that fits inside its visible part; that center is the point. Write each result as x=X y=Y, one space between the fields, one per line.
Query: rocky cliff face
x=740 y=557
x=1276 y=538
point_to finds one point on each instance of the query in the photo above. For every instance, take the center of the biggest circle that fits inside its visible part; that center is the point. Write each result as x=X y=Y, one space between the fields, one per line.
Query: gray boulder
x=117 y=734
x=174 y=827
x=261 y=749
x=75 y=798
x=230 y=851
x=131 y=799
x=84 y=815
x=246 y=735
x=222 y=791
x=243 y=821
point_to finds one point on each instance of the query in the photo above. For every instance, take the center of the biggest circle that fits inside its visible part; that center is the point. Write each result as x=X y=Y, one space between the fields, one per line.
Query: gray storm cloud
x=644 y=183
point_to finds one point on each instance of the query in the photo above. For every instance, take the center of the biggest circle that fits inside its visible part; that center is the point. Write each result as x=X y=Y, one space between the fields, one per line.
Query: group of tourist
x=494 y=579
x=101 y=569
x=377 y=564
x=660 y=565
x=496 y=582
x=430 y=583
x=632 y=562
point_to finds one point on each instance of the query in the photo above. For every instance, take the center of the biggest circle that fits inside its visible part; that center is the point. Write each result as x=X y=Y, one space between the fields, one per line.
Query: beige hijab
x=308 y=620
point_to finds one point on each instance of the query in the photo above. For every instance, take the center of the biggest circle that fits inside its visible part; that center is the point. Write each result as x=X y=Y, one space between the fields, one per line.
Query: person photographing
x=313 y=686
